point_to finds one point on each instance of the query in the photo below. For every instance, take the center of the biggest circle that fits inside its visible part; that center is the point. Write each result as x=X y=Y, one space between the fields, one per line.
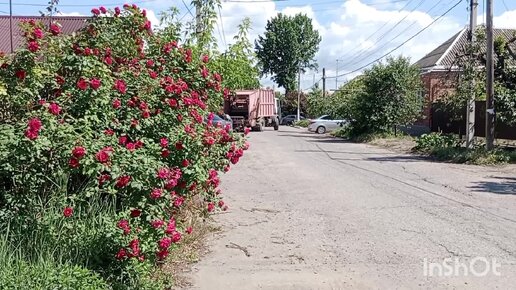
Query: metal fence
x=443 y=121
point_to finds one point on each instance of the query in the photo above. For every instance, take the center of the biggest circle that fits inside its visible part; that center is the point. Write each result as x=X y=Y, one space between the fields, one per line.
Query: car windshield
x=217 y=118
x=324 y=117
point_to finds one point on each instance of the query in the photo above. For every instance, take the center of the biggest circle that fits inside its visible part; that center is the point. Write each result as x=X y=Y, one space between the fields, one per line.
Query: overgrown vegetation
x=448 y=148
x=104 y=149
x=471 y=63
x=302 y=123
x=385 y=96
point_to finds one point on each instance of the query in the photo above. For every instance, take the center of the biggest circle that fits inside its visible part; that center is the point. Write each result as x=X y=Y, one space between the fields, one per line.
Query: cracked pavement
x=314 y=212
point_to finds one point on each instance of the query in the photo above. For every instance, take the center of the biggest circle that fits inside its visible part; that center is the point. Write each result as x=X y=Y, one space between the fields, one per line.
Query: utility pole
x=337 y=75
x=324 y=82
x=490 y=112
x=11 y=24
x=470 y=111
x=198 y=17
x=298 y=94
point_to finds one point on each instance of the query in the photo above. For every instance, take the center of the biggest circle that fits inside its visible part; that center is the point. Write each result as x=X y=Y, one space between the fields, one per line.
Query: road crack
x=238 y=247
x=265 y=210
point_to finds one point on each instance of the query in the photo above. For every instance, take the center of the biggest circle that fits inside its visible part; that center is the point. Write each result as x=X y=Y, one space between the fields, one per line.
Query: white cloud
x=505 y=20
x=151 y=16
x=346 y=30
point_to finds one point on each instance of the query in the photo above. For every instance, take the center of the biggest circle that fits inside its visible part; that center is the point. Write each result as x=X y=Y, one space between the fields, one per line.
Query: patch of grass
x=477 y=156
x=45 y=272
x=448 y=148
x=302 y=123
x=193 y=247
x=347 y=132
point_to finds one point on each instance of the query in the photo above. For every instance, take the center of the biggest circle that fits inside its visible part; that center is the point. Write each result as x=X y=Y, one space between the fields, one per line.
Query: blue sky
x=354 y=31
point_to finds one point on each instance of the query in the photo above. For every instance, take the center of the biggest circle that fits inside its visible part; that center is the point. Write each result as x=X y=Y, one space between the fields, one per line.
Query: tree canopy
x=391 y=96
x=289 y=44
x=238 y=63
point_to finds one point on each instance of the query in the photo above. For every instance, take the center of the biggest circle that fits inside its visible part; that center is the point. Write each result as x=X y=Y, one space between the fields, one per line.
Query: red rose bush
x=114 y=113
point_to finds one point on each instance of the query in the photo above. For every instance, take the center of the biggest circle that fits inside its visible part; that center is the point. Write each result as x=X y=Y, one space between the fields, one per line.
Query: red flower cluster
x=178 y=201
x=123 y=181
x=104 y=154
x=234 y=154
x=54 y=109
x=124 y=225
x=120 y=86
x=21 y=74
x=77 y=153
x=213 y=178
x=34 y=126
x=33 y=46
x=68 y=211
x=55 y=29
x=156 y=193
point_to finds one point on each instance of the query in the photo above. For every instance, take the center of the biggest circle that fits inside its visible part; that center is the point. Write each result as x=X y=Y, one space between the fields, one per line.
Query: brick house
x=69 y=24
x=439 y=71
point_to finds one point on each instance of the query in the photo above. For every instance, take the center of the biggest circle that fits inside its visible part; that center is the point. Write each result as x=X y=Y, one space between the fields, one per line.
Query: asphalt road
x=314 y=212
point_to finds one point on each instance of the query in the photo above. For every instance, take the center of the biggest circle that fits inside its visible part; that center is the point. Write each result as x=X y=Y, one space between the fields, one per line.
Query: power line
x=505 y=5
x=312 y=4
x=182 y=17
x=256 y=1
x=222 y=25
x=188 y=8
x=313 y=85
x=79 y=5
x=403 y=43
x=357 y=60
x=357 y=54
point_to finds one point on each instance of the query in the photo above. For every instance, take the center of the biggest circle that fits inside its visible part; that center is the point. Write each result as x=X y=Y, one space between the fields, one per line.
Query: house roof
x=69 y=25
x=445 y=55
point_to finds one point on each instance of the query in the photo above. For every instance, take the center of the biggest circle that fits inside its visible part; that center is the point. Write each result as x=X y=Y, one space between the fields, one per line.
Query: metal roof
x=69 y=24
x=446 y=54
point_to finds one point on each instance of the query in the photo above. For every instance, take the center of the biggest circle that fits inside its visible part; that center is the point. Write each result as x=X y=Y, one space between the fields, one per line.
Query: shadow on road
x=344 y=152
x=503 y=185
x=399 y=158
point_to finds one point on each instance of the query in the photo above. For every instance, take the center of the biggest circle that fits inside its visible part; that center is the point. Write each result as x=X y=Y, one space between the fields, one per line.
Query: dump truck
x=253 y=108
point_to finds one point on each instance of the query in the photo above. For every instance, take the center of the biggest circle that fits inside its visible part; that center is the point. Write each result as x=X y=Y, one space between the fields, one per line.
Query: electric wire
x=402 y=44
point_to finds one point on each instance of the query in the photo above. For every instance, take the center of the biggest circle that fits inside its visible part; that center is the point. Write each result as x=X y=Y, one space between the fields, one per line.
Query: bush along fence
x=106 y=145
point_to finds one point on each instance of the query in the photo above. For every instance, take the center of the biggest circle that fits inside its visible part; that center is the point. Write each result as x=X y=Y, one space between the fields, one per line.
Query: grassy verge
x=302 y=123
x=74 y=254
x=346 y=133
x=445 y=148
x=449 y=148
x=477 y=156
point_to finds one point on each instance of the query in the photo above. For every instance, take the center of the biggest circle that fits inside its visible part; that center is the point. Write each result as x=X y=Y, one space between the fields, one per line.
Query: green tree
x=316 y=105
x=289 y=44
x=390 y=96
x=238 y=63
x=474 y=69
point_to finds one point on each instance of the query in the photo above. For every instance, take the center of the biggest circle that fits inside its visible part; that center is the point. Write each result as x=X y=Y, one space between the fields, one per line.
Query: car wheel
x=321 y=130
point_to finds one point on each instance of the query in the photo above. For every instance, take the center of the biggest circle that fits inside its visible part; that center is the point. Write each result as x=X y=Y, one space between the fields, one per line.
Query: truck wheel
x=260 y=125
x=276 y=124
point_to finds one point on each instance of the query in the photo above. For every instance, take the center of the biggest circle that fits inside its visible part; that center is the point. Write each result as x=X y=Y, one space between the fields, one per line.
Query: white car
x=325 y=124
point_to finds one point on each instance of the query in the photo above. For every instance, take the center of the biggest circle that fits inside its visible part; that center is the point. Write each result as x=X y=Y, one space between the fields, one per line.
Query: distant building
x=69 y=24
x=439 y=68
